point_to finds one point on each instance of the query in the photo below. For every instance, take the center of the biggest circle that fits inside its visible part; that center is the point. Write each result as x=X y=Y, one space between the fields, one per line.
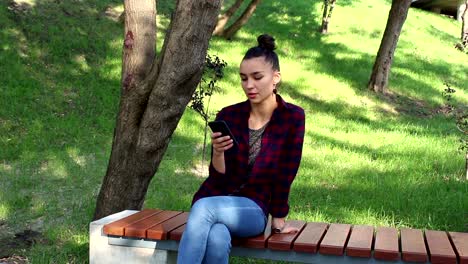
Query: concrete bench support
x=102 y=252
x=172 y=246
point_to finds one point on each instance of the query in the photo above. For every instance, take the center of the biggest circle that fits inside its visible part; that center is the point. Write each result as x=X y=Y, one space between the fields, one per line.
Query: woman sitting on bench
x=249 y=180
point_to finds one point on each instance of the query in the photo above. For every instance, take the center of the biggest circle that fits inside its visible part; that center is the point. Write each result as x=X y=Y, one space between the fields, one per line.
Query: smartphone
x=221 y=126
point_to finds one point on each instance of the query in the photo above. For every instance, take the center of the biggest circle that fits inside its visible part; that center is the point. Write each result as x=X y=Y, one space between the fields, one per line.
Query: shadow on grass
x=60 y=93
x=57 y=116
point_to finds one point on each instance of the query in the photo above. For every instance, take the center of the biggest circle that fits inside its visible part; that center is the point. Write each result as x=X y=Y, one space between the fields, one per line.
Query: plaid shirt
x=275 y=166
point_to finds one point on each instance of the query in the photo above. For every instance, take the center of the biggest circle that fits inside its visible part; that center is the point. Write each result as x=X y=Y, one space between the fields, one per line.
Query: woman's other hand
x=220 y=144
x=279 y=225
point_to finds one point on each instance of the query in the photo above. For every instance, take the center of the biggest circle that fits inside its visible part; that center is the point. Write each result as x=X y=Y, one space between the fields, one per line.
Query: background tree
x=379 y=78
x=241 y=21
x=154 y=94
x=464 y=31
x=328 y=6
x=223 y=19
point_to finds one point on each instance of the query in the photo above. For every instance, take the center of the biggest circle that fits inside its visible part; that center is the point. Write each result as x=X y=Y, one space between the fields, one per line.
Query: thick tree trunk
x=140 y=38
x=464 y=31
x=222 y=21
x=230 y=31
x=328 y=7
x=379 y=78
x=154 y=95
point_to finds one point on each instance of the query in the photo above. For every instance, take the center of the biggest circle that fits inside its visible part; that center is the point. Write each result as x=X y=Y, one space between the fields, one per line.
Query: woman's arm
x=289 y=164
x=220 y=144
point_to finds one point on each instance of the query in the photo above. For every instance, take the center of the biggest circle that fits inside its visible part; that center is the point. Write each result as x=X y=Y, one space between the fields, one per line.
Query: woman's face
x=258 y=79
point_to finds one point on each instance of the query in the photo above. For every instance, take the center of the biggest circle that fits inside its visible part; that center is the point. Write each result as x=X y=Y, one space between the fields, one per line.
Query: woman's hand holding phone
x=220 y=143
x=221 y=138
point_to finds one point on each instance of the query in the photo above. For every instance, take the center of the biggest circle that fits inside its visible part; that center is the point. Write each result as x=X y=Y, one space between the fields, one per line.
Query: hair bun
x=267 y=42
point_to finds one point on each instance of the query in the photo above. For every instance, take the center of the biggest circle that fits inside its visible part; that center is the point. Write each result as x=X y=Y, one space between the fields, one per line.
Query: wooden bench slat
x=309 y=239
x=413 y=247
x=386 y=244
x=360 y=241
x=176 y=234
x=440 y=249
x=460 y=241
x=335 y=239
x=259 y=241
x=117 y=228
x=285 y=241
x=138 y=229
x=162 y=230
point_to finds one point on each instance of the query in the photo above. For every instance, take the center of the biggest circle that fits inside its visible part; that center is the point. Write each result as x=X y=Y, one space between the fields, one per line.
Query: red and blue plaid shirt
x=275 y=166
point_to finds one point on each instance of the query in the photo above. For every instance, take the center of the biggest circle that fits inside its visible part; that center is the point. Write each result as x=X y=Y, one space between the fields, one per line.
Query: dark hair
x=265 y=48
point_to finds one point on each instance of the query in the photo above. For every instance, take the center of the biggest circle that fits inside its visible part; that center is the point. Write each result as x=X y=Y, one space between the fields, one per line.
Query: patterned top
x=255 y=144
x=275 y=167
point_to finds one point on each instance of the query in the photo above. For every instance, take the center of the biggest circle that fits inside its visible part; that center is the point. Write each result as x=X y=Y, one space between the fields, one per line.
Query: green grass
x=367 y=159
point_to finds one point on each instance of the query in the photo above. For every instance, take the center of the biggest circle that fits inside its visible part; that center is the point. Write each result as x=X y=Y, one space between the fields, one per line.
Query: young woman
x=251 y=180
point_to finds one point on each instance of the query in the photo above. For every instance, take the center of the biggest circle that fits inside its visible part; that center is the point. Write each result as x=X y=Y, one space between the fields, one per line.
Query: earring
x=275 y=91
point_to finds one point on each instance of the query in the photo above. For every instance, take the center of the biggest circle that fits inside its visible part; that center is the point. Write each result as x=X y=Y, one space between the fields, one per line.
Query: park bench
x=152 y=236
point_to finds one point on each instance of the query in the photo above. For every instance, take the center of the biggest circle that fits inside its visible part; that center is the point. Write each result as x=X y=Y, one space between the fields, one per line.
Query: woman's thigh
x=242 y=216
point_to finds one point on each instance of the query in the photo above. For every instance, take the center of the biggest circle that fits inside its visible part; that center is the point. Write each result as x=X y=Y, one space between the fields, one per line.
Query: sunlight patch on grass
x=80 y=60
x=31 y=3
x=80 y=160
x=118 y=8
x=54 y=167
x=6 y=167
x=4 y=211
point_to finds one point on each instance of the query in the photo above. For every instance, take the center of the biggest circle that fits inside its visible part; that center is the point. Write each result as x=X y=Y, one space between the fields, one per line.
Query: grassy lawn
x=377 y=160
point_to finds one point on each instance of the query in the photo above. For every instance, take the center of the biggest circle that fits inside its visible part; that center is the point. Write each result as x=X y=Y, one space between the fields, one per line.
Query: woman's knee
x=205 y=207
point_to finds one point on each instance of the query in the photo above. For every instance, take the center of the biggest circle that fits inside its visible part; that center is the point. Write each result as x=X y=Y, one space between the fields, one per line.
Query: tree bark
x=154 y=95
x=464 y=31
x=328 y=7
x=380 y=72
x=466 y=166
x=222 y=21
x=230 y=31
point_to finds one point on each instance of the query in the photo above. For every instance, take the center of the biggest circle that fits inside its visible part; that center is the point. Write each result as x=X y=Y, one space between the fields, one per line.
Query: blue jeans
x=212 y=221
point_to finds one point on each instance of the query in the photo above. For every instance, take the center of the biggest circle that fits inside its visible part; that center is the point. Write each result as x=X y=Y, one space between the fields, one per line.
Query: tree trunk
x=140 y=38
x=154 y=95
x=466 y=166
x=379 y=78
x=222 y=21
x=324 y=27
x=328 y=7
x=230 y=31
x=464 y=32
